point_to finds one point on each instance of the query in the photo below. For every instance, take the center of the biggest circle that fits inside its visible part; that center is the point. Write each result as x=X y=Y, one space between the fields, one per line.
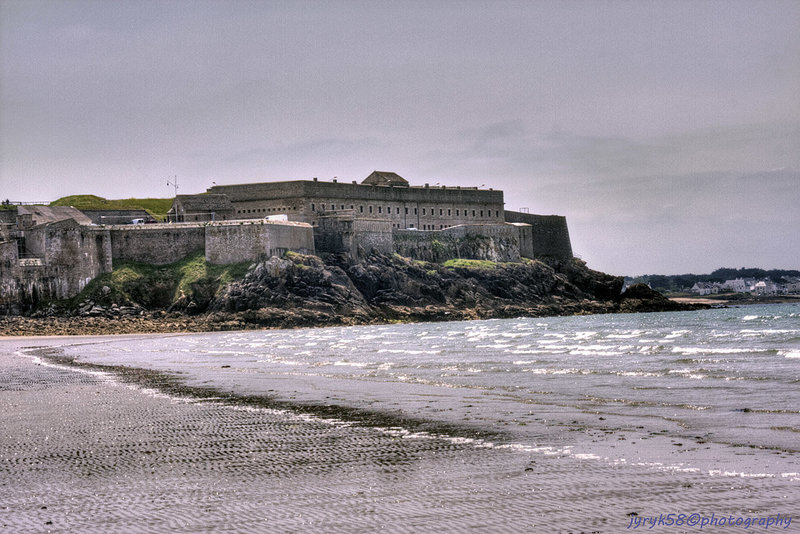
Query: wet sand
x=86 y=451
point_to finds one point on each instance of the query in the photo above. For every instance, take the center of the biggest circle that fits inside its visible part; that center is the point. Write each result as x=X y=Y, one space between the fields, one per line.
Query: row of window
x=268 y=210
x=425 y=211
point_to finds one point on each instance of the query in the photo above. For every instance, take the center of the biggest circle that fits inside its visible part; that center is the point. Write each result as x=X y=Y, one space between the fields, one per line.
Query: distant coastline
x=736 y=299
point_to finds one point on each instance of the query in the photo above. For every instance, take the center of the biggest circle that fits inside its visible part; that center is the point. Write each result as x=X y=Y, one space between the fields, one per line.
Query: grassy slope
x=159 y=286
x=157 y=207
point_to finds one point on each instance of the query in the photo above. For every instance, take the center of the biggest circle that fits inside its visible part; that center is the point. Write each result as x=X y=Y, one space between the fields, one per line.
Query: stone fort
x=53 y=252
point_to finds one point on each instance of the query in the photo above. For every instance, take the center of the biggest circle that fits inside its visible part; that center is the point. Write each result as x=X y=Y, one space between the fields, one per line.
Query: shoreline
x=160 y=322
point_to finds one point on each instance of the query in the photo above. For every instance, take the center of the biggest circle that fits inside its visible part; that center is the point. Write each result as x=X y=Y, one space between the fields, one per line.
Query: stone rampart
x=256 y=240
x=345 y=233
x=67 y=257
x=157 y=244
x=550 y=234
x=121 y=216
x=494 y=242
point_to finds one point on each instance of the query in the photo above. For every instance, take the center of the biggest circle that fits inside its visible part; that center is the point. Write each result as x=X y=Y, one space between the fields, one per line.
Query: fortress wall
x=415 y=207
x=9 y=254
x=157 y=244
x=334 y=234
x=9 y=267
x=351 y=235
x=494 y=242
x=8 y=216
x=373 y=236
x=235 y=243
x=525 y=239
x=122 y=216
x=550 y=234
x=260 y=191
x=73 y=256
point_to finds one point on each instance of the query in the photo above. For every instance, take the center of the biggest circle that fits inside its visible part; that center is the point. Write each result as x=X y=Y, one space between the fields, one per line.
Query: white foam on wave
x=790 y=353
x=712 y=350
x=594 y=352
x=407 y=351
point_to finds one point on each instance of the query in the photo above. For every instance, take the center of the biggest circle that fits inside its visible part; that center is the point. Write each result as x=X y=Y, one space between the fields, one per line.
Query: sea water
x=684 y=390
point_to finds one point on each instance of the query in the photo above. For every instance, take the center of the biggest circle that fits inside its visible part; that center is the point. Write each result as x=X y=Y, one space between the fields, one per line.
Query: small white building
x=705 y=288
x=764 y=287
x=737 y=285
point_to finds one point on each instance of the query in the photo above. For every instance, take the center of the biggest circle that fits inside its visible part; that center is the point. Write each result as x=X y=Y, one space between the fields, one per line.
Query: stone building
x=53 y=252
x=382 y=195
x=205 y=207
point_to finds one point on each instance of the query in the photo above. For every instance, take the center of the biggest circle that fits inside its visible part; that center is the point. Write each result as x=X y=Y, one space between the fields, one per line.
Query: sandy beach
x=87 y=451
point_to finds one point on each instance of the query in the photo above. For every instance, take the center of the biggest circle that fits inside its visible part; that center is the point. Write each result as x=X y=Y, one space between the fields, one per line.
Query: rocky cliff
x=300 y=290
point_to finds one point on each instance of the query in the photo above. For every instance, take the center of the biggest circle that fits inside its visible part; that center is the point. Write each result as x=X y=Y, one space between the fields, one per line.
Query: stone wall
x=426 y=208
x=494 y=242
x=550 y=234
x=257 y=240
x=111 y=217
x=69 y=257
x=8 y=216
x=157 y=244
x=348 y=234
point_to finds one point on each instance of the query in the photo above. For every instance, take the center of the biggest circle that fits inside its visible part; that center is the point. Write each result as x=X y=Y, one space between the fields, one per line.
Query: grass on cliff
x=160 y=286
x=157 y=207
x=461 y=263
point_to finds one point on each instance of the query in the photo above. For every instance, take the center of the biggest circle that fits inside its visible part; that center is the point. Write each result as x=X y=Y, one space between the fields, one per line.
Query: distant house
x=202 y=207
x=705 y=288
x=793 y=285
x=737 y=285
x=764 y=287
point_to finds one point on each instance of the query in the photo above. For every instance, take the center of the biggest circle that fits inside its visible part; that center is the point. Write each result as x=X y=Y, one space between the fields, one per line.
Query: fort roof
x=203 y=202
x=385 y=178
x=51 y=214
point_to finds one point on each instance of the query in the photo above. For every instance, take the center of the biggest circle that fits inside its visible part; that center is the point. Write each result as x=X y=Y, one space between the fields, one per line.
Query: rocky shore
x=307 y=291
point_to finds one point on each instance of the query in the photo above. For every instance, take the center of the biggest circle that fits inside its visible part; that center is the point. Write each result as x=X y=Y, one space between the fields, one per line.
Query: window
x=448 y=212
x=481 y=213
x=423 y=211
x=398 y=211
x=473 y=211
x=380 y=209
x=441 y=211
x=370 y=209
x=415 y=212
x=361 y=209
x=456 y=213
x=406 y=211
x=497 y=213
x=313 y=207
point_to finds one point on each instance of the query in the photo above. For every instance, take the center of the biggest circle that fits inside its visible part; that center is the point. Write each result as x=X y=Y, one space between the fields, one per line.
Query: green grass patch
x=462 y=263
x=157 y=207
x=159 y=286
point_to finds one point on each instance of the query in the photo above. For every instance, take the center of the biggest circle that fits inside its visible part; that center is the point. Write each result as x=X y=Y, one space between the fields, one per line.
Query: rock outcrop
x=301 y=290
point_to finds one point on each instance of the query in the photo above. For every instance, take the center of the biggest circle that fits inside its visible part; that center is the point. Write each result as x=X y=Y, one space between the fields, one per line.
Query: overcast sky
x=668 y=132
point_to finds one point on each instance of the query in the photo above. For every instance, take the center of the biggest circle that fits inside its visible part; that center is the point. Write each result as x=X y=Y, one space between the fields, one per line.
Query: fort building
x=381 y=196
x=53 y=252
